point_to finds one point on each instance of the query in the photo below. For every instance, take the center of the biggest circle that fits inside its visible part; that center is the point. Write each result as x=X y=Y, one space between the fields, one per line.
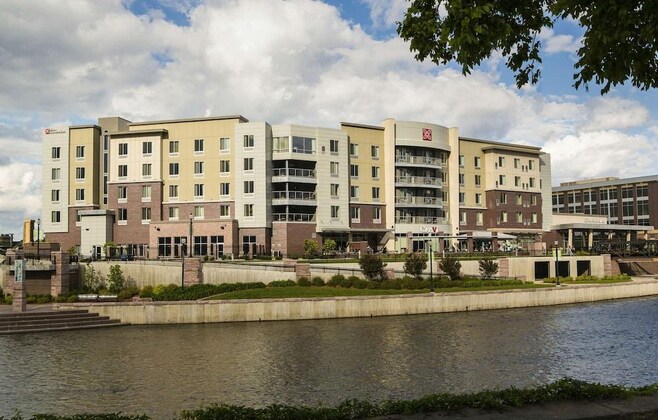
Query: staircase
x=40 y=321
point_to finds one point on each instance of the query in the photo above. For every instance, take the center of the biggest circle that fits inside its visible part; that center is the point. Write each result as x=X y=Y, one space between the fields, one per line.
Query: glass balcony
x=433 y=162
x=424 y=181
x=293 y=217
x=418 y=201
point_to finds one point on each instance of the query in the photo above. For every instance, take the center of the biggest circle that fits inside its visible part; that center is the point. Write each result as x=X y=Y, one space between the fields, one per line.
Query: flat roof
x=357 y=125
x=604 y=183
x=499 y=145
x=184 y=120
x=73 y=127
x=133 y=132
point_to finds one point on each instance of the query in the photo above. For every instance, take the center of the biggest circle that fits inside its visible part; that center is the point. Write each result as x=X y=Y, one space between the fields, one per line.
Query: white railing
x=432 y=201
x=301 y=173
x=419 y=160
x=293 y=217
x=418 y=180
x=293 y=195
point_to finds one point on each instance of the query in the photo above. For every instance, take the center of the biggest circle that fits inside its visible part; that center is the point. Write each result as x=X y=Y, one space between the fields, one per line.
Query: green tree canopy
x=619 y=43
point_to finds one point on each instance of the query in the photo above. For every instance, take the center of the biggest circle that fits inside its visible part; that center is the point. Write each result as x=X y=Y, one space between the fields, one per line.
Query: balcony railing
x=420 y=220
x=419 y=180
x=420 y=160
x=293 y=195
x=293 y=217
x=427 y=201
x=301 y=173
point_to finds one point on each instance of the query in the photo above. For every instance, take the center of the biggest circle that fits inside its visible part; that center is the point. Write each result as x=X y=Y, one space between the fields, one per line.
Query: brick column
x=469 y=242
x=441 y=246
x=303 y=270
x=193 y=271
x=59 y=281
x=503 y=267
x=19 y=302
x=494 y=242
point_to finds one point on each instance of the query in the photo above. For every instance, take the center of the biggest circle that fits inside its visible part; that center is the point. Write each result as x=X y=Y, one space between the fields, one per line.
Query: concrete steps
x=40 y=321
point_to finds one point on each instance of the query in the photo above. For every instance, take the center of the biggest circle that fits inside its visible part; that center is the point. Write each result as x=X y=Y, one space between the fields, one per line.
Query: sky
x=66 y=62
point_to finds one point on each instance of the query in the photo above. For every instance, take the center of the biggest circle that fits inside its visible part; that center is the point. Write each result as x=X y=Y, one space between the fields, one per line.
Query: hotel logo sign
x=54 y=131
x=427 y=134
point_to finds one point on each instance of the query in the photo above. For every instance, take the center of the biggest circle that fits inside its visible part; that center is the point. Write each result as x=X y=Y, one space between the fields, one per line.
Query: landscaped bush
x=358 y=283
x=199 y=291
x=317 y=281
x=591 y=279
x=336 y=280
x=451 y=266
x=303 y=282
x=146 y=292
x=414 y=264
x=128 y=292
x=411 y=283
x=38 y=298
x=282 y=283
x=488 y=268
x=372 y=267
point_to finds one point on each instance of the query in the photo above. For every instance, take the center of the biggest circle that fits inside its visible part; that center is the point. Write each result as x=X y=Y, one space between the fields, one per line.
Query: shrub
x=352 y=281
x=415 y=263
x=128 y=292
x=303 y=282
x=488 y=268
x=282 y=283
x=115 y=279
x=72 y=298
x=360 y=283
x=146 y=292
x=311 y=248
x=329 y=245
x=336 y=280
x=411 y=283
x=91 y=279
x=317 y=281
x=372 y=267
x=451 y=267
x=391 y=284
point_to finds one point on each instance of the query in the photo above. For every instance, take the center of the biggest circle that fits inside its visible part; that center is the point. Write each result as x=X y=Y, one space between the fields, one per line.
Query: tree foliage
x=328 y=245
x=619 y=41
x=311 y=248
x=115 y=279
x=488 y=268
x=415 y=263
x=372 y=266
x=451 y=267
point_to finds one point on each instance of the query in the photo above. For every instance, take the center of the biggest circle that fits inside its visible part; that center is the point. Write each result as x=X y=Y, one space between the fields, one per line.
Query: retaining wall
x=347 y=307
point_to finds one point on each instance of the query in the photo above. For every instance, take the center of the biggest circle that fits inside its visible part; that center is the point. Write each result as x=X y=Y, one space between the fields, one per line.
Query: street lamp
x=182 y=254
x=431 y=275
x=191 y=242
x=557 y=264
x=38 y=237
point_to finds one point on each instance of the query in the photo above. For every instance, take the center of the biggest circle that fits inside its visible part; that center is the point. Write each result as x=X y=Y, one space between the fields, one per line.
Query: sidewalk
x=635 y=408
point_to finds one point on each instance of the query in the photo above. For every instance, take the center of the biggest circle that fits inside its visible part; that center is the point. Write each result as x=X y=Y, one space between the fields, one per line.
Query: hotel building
x=229 y=186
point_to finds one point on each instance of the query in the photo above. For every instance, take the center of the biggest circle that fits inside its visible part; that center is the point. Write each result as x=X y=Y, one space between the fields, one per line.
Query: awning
x=484 y=234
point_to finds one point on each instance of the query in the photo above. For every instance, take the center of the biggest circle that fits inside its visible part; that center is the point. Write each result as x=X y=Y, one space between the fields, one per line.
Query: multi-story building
x=225 y=185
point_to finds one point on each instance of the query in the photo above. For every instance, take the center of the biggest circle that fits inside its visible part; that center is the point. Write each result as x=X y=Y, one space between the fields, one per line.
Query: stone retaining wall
x=363 y=306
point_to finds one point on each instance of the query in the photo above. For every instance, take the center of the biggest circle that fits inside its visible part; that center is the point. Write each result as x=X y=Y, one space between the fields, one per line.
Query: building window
x=249 y=244
x=478 y=198
x=627 y=209
x=146 y=193
x=198 y=190
x=517 y=163
x=304 y=145
x=501 y=161
x=333 y=147
x=517 y=181
x=375 y=172
x=80 y=174
x=333 y=167
x=54 y=196
x=626 y=192
x=532 y=183
x=249 y=187
x=199 y=212
x=477 y=161
x=224 y=211
x=501 y=180
x=123 y=215
x=80 y=152
x=198 y=146
x=334 y=190
x=533 y=200
x=80 y=194
x=642 y=191
x=173 y=147
x=503 y=198
x=462 y=179
x=462 y=218
x=531 y=164
x=56 y=152
x=248 y=210
x=374 y=152
x=224 y=145
x=503 y=216
x=146 y=214
x=248 y=141
x=123 y=149
x=198 y=169
x=355 y=214
x=224 y=188
x=56 y=216
x=173 y=213
x=461 y=161
x=173 y=191
x=122 y=194
x=335 y=210
x=249 y=164
x=519 y=217
x=534 y=215
x=478 y=180
x=354 y=150
x=146 y=169
x=224 y=167
x=479 y=217
x=123 y=171
x=375 y=193
x=55 y=174
x=354 y=171
x=376 y=214
x=462 y=197
x=354 y=192
x=173 y=169
x=147 y=148
x=519 y=199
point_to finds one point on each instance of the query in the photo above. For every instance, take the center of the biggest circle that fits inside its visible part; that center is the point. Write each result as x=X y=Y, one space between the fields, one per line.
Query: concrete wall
x=363 y=306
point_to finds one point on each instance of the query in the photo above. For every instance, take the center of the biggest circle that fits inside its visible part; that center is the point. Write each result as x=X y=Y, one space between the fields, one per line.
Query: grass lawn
x=302 y=292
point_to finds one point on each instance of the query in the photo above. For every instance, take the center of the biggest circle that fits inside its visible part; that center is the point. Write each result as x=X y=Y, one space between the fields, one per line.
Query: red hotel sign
x=427 y=134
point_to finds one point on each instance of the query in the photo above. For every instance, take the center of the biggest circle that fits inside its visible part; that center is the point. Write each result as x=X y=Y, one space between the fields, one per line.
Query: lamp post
x=191 y=241
x=38 y=237
x=182 y=254
x=431 y=275
x=557 y=264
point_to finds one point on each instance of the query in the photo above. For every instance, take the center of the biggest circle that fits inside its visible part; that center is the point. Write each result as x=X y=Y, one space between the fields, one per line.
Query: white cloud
x=557 y=43
x=385 y=13
x=615 y=113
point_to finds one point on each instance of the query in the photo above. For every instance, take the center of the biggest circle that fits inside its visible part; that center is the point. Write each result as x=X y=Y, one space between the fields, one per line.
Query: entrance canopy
x=484 y=234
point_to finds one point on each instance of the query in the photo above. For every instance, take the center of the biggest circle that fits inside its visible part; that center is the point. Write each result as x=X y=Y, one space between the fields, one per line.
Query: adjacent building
x=228 y=186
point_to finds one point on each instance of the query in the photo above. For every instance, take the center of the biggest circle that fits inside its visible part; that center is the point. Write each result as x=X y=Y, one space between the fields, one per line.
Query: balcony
x=293 y=217
x=418 y=181
x=293 y=175
x=420 y=220
x=432 y=162
x=304 y=198
x=418 y=201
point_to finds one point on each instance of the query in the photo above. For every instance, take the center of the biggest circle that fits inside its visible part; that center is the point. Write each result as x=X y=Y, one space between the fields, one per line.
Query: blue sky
x=303 y=61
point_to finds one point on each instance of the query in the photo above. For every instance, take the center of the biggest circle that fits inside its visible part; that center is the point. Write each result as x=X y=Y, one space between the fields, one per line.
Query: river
x=159 y=370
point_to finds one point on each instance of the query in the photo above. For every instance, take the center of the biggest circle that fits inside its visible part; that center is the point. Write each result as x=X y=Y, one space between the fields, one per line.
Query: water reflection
x=161 y=369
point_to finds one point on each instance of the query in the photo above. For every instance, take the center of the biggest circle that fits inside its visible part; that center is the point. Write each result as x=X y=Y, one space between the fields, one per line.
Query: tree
x=619 y=41
x=329 y=245
x=311 y=248
x=107 y=248
x=91 y=279
x=115 y=279
x=372 y=266
x=415 y=263
x=488 y=268
x=451 y=266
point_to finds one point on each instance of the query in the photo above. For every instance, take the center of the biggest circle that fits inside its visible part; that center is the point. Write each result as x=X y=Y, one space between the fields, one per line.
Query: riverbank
x=360 y=306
